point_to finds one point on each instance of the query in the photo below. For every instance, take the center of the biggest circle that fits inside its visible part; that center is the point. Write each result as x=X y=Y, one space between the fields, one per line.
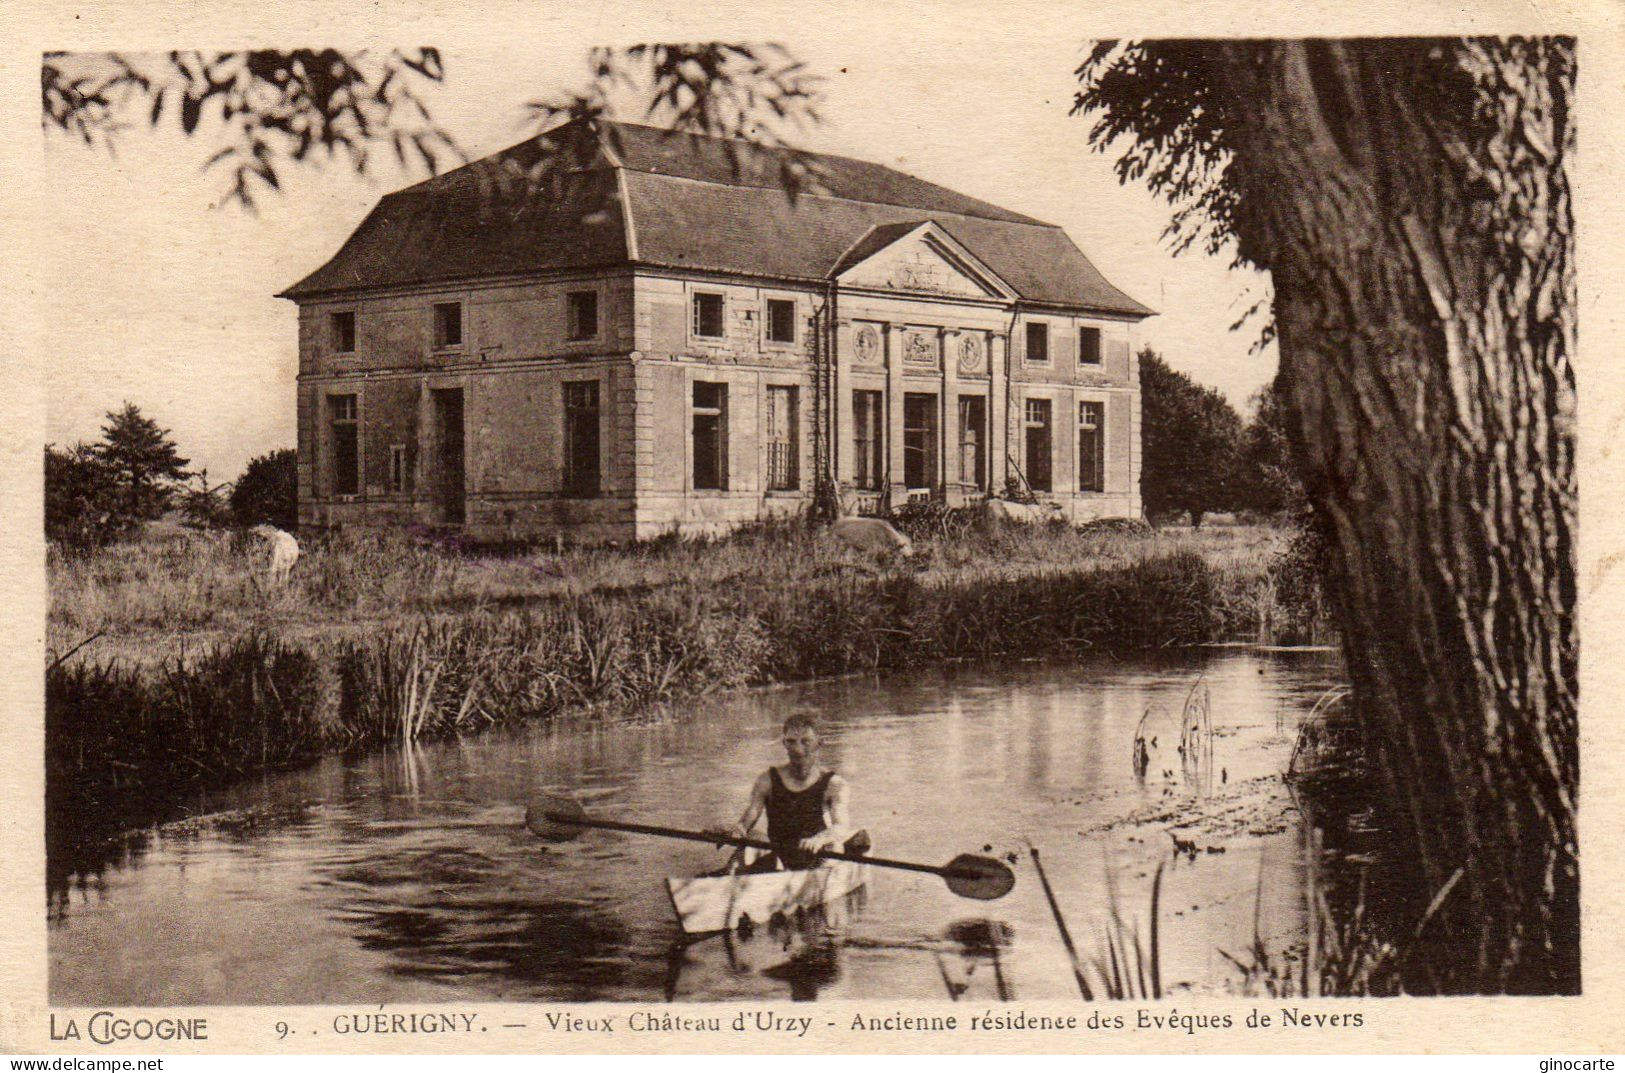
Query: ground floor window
x=1040 y=449
x=920 y=440
x=972 y=438
x=345 y=473
x=398 y=473
x=868 y=439
x=710 y=435
x=781 y=439
x=1091 y=447
x=581 y=450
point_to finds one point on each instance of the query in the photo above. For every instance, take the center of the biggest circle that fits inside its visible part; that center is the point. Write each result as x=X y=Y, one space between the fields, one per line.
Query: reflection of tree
x=449 y=914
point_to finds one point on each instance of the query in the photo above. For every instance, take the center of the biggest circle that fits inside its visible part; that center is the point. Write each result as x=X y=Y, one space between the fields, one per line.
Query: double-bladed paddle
x=559 y=819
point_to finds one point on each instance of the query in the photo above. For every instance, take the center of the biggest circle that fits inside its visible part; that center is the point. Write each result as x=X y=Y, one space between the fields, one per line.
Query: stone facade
x=622 y=402
x=513 y=364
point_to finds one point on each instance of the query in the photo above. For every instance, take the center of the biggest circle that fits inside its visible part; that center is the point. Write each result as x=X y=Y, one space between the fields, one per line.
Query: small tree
x=144 y=463
x=268 y=491
x=1189 y=438
x=205 y=506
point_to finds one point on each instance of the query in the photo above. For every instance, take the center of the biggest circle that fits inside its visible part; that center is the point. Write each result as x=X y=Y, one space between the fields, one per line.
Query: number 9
x=282 y=1030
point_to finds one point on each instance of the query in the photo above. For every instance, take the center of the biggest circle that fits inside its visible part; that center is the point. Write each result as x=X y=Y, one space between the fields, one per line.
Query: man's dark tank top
x=792 y=816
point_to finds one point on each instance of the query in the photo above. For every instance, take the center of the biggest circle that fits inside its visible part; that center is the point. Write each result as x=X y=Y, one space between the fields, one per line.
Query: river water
x=409 y=876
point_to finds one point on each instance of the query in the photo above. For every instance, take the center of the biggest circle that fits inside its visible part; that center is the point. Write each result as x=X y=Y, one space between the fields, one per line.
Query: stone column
x=894 y=414
x=842 y=401
x=998 y=415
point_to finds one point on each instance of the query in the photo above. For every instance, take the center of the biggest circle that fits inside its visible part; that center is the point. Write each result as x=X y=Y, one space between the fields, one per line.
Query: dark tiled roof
x=693 y=207
x=878 y=238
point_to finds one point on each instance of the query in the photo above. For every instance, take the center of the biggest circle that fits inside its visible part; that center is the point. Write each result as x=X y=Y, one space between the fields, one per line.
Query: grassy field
x=150 y=602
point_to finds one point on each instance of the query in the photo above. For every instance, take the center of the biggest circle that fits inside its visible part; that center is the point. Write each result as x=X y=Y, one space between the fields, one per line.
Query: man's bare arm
x=837 y=829
x=752 y=813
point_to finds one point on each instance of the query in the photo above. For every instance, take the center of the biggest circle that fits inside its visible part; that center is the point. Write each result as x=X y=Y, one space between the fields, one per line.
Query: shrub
x=268 y=491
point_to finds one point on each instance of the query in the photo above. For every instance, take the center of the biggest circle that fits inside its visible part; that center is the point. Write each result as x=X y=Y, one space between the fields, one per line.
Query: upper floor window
x=1037 y=341
x=583 y=314
x=1088 y=346
x=448 y=324
x=344 y=332
x=781 y=320
x=708 y=316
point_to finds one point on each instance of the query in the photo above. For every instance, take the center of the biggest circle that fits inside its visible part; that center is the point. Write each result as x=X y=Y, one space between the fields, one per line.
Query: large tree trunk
x=1410 y=201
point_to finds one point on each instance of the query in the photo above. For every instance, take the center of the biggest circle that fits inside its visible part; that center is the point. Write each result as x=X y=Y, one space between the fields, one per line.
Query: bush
x=268 y=491
x=81 y=498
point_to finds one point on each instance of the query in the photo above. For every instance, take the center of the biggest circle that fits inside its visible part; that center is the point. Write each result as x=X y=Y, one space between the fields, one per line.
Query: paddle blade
x=982 y=878
x=553 y=818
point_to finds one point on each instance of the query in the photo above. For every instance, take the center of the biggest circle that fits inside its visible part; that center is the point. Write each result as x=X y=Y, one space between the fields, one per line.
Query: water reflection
x=409 y=874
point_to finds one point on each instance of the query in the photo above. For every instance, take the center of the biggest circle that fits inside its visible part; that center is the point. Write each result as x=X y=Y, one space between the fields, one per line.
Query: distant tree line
x=1199 y=457
x=102 y=492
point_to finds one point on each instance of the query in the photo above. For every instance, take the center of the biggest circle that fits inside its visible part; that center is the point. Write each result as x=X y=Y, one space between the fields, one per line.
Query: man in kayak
x=805 y=805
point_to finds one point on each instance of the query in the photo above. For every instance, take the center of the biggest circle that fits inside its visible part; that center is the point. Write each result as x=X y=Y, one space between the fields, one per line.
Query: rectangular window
x=710 y=415
x=581 y=466
x=920 y=441
x=1088 y=346
x=972 y=434
x=1039 y=446
x=1037 y=342
x=781 y=320
x=583 y=314
x=868 y=439
x=448 y=325
x=782 y=455
x=397 y=467
x=1091 y=447
x=344 y=332
x=708 y=316
x=346 y=426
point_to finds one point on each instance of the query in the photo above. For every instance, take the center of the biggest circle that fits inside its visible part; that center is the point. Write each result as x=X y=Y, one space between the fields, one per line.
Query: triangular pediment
x=919 y=258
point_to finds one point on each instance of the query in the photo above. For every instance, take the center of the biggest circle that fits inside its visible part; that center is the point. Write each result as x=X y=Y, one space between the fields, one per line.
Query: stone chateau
x=610 y=331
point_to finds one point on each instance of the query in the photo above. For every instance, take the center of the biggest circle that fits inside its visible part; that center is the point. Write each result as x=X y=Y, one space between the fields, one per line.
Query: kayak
x=722 y=902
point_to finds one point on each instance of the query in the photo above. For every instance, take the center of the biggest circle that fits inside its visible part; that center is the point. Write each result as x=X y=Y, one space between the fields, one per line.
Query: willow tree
x=1410 y=201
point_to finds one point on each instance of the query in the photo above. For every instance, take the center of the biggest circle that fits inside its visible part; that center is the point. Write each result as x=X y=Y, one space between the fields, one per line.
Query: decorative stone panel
x=920 y=348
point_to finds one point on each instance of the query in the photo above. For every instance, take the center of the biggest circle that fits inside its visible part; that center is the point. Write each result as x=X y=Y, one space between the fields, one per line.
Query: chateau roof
x=589 y=196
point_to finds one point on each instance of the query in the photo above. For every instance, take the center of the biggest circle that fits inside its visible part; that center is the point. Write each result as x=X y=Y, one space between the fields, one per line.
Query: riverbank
x=199 y=675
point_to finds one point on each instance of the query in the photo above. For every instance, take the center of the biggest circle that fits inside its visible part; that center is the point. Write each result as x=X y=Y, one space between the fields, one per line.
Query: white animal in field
x=872 y=535
x=283 y=550
x=1005 y=510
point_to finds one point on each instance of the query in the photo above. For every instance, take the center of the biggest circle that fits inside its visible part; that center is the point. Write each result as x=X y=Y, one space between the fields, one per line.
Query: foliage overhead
x=265 y=107
x=758 y=94
x=268 y=107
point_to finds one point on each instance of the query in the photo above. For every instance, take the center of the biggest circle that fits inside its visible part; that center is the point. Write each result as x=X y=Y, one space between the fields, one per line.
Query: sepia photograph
x=986 y=527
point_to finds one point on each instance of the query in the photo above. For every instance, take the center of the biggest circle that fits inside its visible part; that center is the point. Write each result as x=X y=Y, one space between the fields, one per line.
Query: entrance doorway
x=449 y=490
x=1039 y=450
x=920 y=442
